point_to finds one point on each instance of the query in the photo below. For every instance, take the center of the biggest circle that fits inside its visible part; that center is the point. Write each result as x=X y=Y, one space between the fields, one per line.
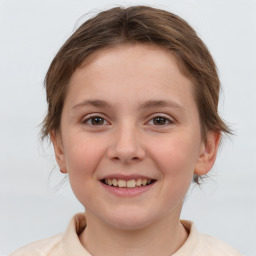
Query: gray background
x=31 y=32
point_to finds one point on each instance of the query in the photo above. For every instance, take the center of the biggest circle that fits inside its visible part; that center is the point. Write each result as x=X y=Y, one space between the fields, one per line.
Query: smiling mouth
x=132 y=183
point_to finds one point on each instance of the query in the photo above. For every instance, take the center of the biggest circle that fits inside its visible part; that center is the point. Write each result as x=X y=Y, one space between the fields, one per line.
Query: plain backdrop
x=33 y=206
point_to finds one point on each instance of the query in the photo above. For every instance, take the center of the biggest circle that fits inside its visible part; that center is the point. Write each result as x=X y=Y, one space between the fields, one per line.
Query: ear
x=208 y=153
x=58 y=149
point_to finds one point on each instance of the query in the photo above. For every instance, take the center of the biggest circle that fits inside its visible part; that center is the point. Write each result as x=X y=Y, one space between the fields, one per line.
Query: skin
x=132 y=81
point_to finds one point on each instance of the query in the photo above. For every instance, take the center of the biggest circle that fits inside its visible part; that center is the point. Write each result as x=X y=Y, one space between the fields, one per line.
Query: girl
x=133 y=117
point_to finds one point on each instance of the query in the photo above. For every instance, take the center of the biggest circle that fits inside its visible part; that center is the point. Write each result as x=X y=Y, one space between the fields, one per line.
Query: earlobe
x=208 y=153
x=58 y=149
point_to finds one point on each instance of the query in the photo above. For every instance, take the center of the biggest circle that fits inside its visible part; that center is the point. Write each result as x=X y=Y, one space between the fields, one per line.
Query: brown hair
x=144 y=25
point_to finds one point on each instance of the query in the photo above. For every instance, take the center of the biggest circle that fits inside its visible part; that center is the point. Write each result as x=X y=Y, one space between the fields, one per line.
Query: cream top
x=68 y=243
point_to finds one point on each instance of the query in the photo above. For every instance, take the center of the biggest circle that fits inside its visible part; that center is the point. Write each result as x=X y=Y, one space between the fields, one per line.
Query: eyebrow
x=148 y=104
x=161 y=103
x=95 y=103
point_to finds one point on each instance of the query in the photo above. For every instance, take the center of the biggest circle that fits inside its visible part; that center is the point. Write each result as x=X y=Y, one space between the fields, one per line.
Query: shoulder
x=65 y=244
x=47 y=247
x=216 y=247
x=198 y=244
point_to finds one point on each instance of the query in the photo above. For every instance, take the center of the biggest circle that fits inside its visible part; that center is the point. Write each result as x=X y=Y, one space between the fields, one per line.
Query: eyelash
x=93 y=117
x=167 y=121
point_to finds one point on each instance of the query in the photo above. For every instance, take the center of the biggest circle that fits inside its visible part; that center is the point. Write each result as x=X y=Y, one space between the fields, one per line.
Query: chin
x=130 y=221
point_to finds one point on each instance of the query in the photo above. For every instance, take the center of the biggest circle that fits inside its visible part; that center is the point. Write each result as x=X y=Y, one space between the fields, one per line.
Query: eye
x=160 y=120
x=95 y=121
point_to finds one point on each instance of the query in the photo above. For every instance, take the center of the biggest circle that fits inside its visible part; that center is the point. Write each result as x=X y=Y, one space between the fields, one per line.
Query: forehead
x=152 y=55
x=136 y=69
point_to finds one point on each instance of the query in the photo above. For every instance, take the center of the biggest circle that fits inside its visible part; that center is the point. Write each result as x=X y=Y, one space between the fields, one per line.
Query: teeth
x=109 y=182
x=129 y=183
x=114 y=182
x=144 y=182
x=121 y=183
x=138 y=182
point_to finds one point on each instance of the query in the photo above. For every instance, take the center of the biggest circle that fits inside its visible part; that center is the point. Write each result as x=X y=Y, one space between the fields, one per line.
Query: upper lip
x=126 y=177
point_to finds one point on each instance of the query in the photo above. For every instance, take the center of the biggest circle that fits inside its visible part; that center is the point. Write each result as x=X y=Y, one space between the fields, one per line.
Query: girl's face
x=130 y=118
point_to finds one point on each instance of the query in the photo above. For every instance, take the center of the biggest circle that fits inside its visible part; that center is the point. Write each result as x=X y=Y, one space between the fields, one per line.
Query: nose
x=126 y=145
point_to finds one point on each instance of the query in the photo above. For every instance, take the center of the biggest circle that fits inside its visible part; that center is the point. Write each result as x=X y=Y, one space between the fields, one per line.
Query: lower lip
x=127 y=192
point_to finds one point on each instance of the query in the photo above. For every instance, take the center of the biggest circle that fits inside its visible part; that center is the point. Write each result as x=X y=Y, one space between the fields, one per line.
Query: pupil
x=97 y=120
x=159 y=120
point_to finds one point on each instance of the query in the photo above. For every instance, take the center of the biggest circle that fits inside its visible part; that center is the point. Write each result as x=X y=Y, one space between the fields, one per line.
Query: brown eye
x=97 y=120
x=160 y=120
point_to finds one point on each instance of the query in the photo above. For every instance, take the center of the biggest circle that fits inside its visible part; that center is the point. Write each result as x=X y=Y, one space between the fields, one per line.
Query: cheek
x=176 y=156
x=176 y=160
x=82 y=156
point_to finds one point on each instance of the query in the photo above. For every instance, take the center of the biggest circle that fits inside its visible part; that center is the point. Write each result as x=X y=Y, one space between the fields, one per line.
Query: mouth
x=129 y=184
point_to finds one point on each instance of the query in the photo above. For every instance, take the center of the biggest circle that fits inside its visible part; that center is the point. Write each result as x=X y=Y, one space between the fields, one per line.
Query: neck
x=164 y=237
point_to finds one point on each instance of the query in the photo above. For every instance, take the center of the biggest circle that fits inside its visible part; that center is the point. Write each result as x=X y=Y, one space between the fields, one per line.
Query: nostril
x=127 y=158
x=125 y=153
